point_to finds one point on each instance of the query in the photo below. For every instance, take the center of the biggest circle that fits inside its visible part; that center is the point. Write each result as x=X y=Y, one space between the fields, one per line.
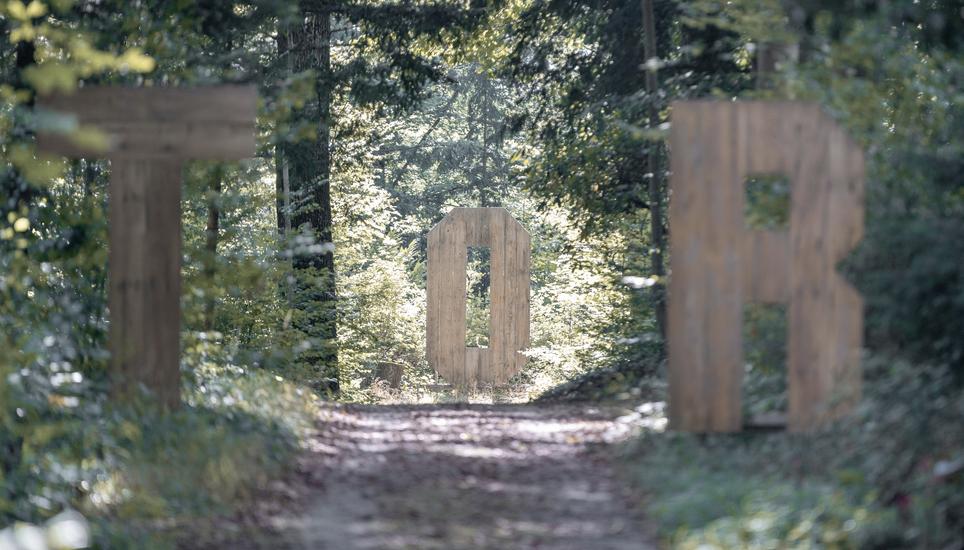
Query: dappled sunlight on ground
x=461 y=476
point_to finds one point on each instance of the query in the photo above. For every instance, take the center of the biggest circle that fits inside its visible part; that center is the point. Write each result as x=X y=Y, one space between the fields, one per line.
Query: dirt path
x=455 y=477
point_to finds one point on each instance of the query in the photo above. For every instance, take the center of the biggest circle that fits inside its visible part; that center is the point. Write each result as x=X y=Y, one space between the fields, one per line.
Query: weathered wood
x=447 y=256
x=509 y=244
x=718 y=264
x=766 y=266
x=152 y=131
x=145 y=277
x=120 y=106
x=217 y=142
x=214 y=123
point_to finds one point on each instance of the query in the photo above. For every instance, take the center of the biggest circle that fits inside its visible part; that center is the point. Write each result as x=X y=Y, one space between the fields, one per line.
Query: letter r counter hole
x=767 y=204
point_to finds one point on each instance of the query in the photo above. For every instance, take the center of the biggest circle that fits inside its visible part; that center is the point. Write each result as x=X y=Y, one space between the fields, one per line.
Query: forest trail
x=456 y=477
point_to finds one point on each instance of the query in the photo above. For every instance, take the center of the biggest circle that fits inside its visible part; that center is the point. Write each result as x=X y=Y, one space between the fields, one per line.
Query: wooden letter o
x=509 y=244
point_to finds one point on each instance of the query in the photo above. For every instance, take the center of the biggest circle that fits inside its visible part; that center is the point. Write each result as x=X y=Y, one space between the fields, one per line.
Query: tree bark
x=768 y=56
x=26 y=55
x=90 y=176
x=211 y=243
x=484 y=119
x=655 y=181
x=309 y=171
x=281 y=173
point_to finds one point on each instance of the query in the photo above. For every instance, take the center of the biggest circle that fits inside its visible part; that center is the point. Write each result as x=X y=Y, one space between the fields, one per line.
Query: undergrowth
x=145 y=478
x=889 y=476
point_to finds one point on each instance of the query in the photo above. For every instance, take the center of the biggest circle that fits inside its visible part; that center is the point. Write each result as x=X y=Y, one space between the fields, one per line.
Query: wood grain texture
x=510 y=245
x=718 y=264
x=145 y=278
x=151 y=131
x=214 y=123
x=113 y=104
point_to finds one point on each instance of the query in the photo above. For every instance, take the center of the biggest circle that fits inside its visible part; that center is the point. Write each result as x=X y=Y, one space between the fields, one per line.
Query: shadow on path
x=454 y=477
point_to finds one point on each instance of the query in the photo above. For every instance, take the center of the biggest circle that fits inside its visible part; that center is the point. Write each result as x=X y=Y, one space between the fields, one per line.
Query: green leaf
x=17 y=10
x=90 y=138
x=136 y=60
x=36 y=9
x=40 y=171
x=23 y=33
x=51 y=76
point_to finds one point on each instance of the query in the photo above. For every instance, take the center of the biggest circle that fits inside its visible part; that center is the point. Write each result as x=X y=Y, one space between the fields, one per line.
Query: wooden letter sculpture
x=151 y=132
x=718 y=264
x=509 y=292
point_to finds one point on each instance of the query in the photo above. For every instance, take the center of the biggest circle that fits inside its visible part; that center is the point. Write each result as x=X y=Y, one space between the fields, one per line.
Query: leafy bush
x=129 y=468
x=901 y=100
x=888 y=476
x=625 y=380
x=911 y=273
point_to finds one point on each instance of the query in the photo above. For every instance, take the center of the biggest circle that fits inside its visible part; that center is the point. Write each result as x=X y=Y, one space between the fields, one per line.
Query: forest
x=308 y=409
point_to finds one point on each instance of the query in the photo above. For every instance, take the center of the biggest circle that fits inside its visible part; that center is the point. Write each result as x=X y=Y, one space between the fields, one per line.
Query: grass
x=870 y=481
x=735 y=492
x=166 y=477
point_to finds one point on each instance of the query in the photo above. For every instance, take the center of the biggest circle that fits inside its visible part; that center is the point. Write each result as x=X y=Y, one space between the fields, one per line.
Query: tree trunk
x=309 y=170
x=282 y=195
x=211 y=243
x=26 y=55
x=656 y=175
x=484 y=119
x=768 y=56
x=90 y=176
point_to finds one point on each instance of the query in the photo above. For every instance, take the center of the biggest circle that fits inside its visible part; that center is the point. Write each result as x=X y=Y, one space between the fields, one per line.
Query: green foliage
x=767 y=203
x=581 y=66
x=533 y=105
x=765 y=333
x=398 y=183
x=911 y=276
x=884 y=478
x=891 y=74
x=902 y=99
x=239 y=430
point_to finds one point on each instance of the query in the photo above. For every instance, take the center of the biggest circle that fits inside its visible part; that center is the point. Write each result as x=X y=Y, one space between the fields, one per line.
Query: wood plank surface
x=718 y=264
x=119 y=104
x=225 y=142
x=214 y=123
x=509 y=245
x=445 y=290
x=145 y=278
x=151 y=131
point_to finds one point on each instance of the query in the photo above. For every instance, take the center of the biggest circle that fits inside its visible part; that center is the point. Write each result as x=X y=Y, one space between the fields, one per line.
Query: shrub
x=888 y=476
